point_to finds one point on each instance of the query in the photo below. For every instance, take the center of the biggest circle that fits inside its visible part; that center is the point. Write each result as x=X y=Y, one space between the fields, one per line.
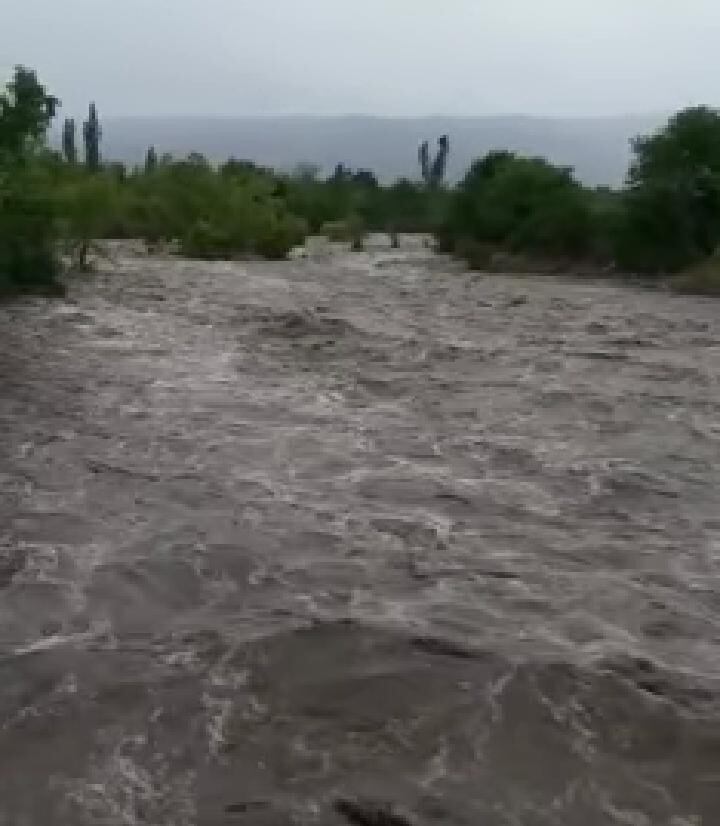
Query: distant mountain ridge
x=597 y=148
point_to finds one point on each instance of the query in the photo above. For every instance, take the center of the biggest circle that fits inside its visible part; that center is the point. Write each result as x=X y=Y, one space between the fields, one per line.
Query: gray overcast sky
x=391 y=57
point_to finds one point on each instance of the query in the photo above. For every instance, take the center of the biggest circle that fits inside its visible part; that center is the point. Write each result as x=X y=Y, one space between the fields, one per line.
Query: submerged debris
x=369 y=813
x=442 y=647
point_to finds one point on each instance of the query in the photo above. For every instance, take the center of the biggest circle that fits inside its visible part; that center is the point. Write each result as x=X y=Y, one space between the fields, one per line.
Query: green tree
x=365 y=177
x=151 y=161
x=28 y=237
x=406 y=206
x=69 y=146
x=341 y=175
x=424 y=161
x=235 y=168
x=27 y=220
x=306 y=172
x=521 y=204
x=26 y=110
x=437 y=173
x=672 y=199
x=117 y=170
x=433 y=173
x=92 y=134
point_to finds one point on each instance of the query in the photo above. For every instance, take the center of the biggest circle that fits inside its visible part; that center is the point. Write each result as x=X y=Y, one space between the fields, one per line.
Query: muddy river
x=358 y=539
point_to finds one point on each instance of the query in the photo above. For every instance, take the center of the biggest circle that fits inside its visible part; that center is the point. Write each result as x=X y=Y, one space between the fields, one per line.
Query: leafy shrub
x=28 y=260
x=87 y=205
x=357 y=233
x=280 y=236
x=337 y=231
x=701 y=279
x=206 y=241
x=523 y=204
x=266 y=233
x=656 y=233
x=477 y=254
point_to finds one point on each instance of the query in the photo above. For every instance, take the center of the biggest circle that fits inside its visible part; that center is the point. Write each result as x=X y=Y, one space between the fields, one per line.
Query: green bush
x=351 y=230
x=477 y=254
x=608 y=216
x=28 y=260
x=87 y=205
x=280 y=236
x=701 y=279
x=339 y=231
x=207 y=242
x=357 y=233
x=269 y=235
x=409 y=207
x=655 y=235
x=522 y=204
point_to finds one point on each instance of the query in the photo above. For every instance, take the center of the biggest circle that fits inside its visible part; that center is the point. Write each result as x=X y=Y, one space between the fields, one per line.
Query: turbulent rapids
x=358 y=538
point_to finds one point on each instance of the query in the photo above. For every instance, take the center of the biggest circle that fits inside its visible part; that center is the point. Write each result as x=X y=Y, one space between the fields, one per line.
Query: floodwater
x=358 y=539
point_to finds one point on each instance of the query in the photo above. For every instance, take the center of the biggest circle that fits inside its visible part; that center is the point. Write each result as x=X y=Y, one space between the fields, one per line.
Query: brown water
x=275 y=538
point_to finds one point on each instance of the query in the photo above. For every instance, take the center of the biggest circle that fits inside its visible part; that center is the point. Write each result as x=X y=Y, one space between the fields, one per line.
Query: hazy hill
x=596 y=147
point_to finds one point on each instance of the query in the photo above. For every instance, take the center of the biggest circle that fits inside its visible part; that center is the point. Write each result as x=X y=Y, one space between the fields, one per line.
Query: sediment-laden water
x=354 y=538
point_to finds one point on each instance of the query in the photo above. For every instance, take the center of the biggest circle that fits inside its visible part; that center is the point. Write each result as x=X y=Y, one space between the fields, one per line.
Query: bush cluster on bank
x=664 y=221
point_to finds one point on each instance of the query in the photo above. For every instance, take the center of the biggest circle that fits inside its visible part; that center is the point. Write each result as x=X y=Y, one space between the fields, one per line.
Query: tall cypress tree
x=69 y=146
x=151 y=161
x=434 y=173
x=424 y=161
x=437 y=173
x=92 y=134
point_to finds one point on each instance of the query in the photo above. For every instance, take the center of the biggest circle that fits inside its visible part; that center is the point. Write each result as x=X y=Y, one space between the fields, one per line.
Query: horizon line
x=382 y=117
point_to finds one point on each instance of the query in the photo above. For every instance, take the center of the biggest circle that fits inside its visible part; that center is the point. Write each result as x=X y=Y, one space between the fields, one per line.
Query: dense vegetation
x=519 y=204
x=27 y=219
x=665 y=220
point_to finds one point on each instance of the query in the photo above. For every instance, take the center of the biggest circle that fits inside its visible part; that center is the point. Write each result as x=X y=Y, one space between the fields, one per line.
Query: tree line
x=57 y=204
